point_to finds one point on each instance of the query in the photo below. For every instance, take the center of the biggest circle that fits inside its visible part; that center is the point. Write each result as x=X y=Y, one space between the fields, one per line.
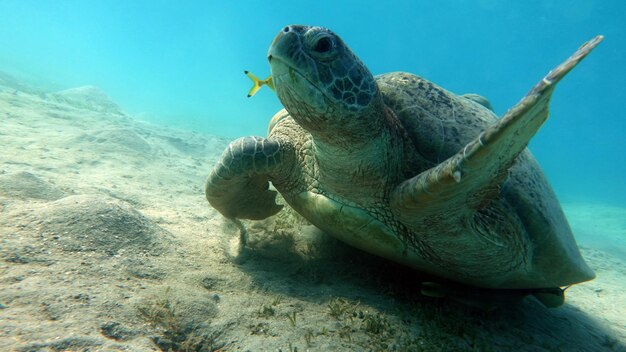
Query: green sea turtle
x=401 y=168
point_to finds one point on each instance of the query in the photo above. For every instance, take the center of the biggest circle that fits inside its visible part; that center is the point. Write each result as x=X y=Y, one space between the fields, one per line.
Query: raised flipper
x=473 y=176
x=238 y=187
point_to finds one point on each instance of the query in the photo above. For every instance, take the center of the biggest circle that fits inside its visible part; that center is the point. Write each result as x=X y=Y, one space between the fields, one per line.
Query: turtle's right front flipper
x=473 y=176
x=238 y=187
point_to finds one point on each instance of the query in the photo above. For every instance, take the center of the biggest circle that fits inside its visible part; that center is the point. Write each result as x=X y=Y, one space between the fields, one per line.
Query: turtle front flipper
x=472 y=177
x=238 y=187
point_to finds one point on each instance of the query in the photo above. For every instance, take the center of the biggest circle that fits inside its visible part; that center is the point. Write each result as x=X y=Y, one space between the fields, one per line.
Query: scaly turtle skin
x=401 y=168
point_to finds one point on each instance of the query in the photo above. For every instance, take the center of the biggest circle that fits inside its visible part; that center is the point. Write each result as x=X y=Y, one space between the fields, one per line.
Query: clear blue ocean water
x=181 y=63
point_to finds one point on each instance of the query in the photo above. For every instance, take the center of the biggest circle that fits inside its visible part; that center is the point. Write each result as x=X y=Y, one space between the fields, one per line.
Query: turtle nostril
x=286 y=29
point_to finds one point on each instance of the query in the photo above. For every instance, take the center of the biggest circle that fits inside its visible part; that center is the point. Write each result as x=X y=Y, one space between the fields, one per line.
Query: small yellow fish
x=257 y=83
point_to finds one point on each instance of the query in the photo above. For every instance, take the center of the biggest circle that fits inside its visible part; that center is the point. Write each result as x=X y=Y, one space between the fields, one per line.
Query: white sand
x=107 y=243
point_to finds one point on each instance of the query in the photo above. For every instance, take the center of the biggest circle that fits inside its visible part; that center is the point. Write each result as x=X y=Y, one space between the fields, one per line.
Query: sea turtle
x=399 y=167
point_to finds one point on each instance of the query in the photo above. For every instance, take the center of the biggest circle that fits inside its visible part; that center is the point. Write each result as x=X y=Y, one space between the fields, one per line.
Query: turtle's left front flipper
x=473 y=176
x=238 y=187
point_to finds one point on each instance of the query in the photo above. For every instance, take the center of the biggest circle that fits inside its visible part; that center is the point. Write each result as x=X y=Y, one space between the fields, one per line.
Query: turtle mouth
x=294 y=87
x=285 y=73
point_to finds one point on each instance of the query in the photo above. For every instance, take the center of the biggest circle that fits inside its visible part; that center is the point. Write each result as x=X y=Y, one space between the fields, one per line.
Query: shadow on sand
x=328 y=269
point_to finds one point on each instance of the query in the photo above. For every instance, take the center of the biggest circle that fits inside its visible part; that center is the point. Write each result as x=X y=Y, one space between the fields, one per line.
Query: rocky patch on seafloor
x=107 y=243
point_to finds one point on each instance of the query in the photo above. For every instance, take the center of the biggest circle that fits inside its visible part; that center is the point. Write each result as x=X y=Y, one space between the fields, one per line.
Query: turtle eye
x=323 y=45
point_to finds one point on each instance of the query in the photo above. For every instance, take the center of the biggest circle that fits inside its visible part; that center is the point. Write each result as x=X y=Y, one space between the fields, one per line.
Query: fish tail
x=256 y=83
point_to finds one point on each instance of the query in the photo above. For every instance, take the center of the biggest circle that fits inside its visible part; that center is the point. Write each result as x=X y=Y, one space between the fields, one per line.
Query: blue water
x=180 y=63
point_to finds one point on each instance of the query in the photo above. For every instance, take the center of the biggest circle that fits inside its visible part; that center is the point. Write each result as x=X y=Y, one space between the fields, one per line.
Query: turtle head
x=320 y=81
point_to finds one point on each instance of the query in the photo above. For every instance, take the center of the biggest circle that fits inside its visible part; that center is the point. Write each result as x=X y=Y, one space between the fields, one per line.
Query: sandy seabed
x=107 y=244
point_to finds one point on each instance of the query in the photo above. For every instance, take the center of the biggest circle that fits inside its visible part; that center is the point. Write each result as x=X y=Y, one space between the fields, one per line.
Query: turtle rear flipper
x=238 y=187
x=473 y=176
x=489 y=299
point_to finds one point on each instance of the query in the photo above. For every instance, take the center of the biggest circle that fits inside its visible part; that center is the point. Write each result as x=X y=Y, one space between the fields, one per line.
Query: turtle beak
x=287 y=43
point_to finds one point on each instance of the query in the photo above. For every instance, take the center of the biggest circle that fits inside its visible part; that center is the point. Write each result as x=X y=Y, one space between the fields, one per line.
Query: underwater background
x=181 y=63
x=112 y=114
